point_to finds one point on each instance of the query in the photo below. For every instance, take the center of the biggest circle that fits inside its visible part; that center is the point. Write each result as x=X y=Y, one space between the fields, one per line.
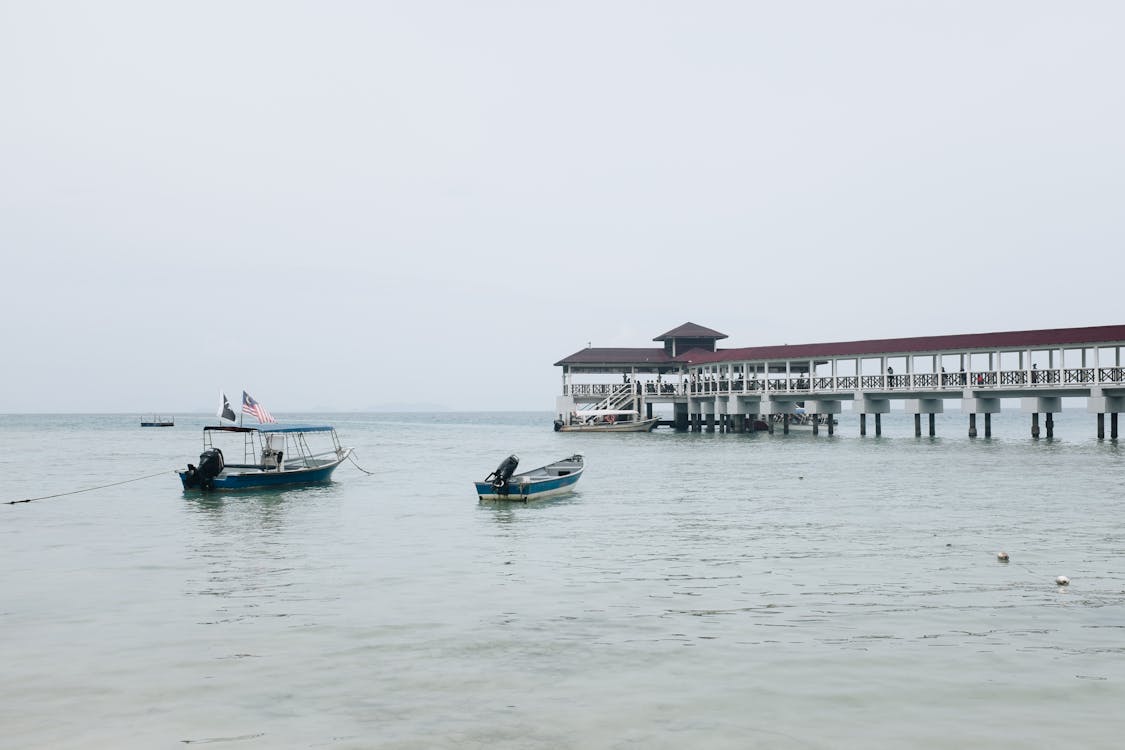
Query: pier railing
x=1078 y=377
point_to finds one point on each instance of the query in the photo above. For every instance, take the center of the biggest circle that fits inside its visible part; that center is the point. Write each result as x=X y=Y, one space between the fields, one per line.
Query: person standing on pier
x=890 y=377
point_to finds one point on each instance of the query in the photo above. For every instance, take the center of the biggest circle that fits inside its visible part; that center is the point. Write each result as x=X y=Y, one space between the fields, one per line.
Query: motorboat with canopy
x=272 y=455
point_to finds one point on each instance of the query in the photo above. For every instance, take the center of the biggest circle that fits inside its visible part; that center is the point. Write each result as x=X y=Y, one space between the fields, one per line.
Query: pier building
x=767 y=387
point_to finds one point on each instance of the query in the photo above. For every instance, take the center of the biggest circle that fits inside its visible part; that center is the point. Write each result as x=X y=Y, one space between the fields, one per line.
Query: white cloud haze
x=346 y=205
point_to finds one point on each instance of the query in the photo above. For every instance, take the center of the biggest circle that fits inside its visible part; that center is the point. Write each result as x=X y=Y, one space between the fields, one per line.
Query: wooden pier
x=770 y=387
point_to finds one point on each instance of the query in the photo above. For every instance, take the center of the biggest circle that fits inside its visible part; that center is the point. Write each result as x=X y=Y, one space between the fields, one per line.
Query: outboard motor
x=210 y=464
x=503 y=473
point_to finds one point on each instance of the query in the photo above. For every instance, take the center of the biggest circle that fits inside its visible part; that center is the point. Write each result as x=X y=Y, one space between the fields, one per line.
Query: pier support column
x=769 y=423
x=831 y=425
x=1037 y=405
x=1100 y=404
x=815 y=424
x=680 y=417
x=927 y=406
x=866 y=405
x=829 y=408
x=784 y=424
x=710 y=422
x=981 y=405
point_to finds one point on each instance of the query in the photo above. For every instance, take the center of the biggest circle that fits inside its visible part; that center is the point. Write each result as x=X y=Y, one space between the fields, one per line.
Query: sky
x=349 y=206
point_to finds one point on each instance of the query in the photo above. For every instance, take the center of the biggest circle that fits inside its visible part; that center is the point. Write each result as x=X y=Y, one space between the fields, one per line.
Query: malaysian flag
x=254 y=409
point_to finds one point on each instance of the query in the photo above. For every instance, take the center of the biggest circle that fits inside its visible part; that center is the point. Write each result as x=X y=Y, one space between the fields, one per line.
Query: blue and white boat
x=546 y=481
x=272 y=455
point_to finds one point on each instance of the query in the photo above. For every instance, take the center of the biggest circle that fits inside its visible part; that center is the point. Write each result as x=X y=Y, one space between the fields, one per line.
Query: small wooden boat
x=158 y=421
x=605 y=420
x=273 y=455
x=546 y=481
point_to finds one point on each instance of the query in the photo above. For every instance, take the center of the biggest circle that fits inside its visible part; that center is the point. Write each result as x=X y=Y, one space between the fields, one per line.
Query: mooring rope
x=88 y=489
x=351 y=457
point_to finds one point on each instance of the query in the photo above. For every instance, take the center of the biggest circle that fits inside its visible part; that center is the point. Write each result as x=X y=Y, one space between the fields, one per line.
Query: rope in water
x=88 y=489
x=351 y=457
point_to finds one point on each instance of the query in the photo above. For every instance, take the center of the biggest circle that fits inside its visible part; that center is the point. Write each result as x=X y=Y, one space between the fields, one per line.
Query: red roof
x=691 y=331
x=620 y=356
x=1007 y=340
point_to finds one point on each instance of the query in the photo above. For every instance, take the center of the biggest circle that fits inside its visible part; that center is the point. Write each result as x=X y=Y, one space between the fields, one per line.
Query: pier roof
x=620 y=356
x=691 y=331
x=1006 y=340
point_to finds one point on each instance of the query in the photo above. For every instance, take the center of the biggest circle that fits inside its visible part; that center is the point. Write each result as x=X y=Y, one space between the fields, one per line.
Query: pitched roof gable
x=691 y=331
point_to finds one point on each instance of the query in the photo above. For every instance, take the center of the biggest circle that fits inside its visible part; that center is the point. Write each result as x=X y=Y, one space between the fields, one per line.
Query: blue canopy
x=274 y=427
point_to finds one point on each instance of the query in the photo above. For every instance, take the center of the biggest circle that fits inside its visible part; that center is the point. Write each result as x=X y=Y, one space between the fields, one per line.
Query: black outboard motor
x=210 y=464
x=503 y=473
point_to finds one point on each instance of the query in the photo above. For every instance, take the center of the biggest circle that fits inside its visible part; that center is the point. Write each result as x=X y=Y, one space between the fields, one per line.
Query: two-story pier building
x=754 y=387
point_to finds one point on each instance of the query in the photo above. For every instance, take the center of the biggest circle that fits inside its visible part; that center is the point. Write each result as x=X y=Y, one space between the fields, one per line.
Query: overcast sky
x=345 y=205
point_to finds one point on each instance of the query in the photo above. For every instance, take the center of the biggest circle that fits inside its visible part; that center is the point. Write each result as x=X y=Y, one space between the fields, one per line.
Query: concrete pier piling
x=972 y=425
x=1035 y=425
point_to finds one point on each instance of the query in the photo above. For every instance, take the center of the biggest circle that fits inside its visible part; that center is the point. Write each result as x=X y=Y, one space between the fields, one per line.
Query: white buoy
x=1062 y=581
x=1002 y=556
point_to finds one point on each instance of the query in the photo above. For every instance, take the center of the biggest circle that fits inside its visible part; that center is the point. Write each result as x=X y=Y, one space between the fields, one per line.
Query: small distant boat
x=605 y=420
x=546 y=481
x=157 y=421
x=273 y=455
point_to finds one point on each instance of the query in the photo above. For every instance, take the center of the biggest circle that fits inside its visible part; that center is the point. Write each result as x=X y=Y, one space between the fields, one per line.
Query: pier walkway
x=754 y=387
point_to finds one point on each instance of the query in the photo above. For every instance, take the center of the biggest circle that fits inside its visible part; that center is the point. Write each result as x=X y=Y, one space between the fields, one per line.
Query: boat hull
x=531 y=490
x=547 y=481
x=643 y=425
x=233 y=479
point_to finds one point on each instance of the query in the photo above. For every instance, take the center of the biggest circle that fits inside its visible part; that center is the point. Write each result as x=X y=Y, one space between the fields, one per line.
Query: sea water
x=696 y=591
